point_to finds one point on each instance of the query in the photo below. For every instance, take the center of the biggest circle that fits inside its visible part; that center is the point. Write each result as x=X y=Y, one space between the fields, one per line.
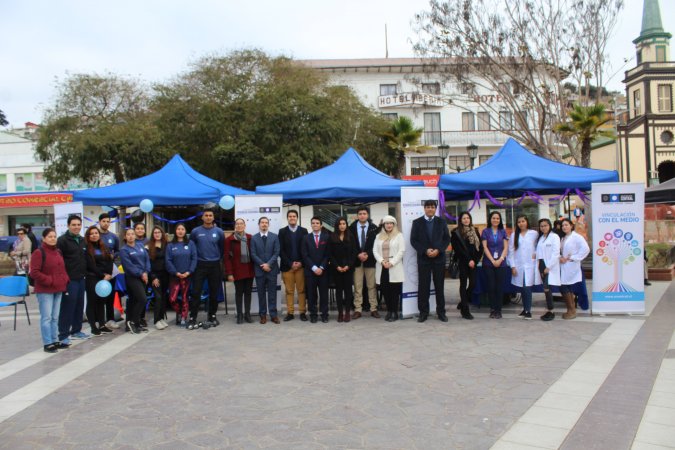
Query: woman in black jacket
x=468 y=250
x=159 y=276
x=342 y=251
x=99 y=267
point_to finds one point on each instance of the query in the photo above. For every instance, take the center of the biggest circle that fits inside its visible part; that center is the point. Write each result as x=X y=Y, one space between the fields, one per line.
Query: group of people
x=355 y=258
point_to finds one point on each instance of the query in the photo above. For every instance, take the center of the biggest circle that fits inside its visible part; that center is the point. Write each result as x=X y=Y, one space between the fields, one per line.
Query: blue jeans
x=50 y=305
x=72 y=309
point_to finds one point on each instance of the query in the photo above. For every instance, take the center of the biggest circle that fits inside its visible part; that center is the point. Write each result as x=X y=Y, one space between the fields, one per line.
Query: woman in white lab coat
x=573 y=250
x=521 y=259
x=548 y=264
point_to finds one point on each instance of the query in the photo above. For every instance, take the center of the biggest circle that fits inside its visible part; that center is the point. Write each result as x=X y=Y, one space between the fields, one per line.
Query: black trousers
x=136 y=298
x=343 y=289
x=109 y=302
x=467 y=283
x=317 y=283
x=212 y=272
x=425 y=273
x=161 y=295
x=242 y=291
x=95 y=304
x=390 y=291
x=495 y=286
x=547 y=288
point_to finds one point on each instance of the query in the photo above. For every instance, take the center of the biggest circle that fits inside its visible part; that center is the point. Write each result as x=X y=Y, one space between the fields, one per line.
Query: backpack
x=31 y=280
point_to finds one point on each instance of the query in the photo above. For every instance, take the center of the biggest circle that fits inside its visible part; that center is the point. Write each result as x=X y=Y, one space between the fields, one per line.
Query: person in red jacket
x=48 y=270
x=239 y=268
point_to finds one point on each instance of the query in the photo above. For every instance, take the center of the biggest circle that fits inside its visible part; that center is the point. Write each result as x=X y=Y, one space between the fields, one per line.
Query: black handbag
x=453 y=267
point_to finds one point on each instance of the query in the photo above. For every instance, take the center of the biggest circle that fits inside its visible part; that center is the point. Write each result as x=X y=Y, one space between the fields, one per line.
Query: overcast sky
x=155 y=39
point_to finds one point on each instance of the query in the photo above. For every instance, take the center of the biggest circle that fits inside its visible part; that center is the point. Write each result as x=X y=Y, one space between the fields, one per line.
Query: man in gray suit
x=265 y=255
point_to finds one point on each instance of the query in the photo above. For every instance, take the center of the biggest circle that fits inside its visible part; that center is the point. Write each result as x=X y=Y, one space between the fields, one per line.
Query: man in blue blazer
x=315 y=255
x=430 y=238
x=265 y=255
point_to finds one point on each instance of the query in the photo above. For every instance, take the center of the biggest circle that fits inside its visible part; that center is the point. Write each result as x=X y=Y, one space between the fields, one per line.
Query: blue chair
x=16 y=286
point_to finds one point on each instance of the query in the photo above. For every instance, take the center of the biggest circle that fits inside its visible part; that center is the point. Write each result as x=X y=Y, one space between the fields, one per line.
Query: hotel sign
x=410 y=99
x=29 y=200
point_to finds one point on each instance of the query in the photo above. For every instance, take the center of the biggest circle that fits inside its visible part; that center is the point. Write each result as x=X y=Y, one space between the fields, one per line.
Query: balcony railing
x=667 y=65
x=464 y=138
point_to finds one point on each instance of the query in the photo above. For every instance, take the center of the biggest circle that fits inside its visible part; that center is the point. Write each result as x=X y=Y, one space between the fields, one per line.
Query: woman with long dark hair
x=136 y=266
x=388 y=249
x=342 y=259
x=548 y=264
x=522 y=258
x=239 y=269
x=181 y=262
x=468 y=250
x=48 y=270
x=495 y=250
x=573 y=249
x=99 y=267
x=159 y=276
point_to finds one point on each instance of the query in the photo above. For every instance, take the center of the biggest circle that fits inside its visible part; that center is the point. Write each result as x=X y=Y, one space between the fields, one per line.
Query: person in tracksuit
x=136 y=266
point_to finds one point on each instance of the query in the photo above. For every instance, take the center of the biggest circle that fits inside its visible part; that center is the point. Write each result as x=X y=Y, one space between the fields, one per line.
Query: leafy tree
x=99 y=126
x=401 y=136
x=249 y=119
x=519 y=52
x=3 y=119
x=583 y=127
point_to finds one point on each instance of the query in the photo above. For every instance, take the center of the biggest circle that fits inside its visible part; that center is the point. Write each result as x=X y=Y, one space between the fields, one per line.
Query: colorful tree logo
x=618 y=250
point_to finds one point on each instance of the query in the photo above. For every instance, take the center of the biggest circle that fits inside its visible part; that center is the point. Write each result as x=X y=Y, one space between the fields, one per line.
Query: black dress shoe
x=303 y=317
x=313 y=319
x=442 y=317
x=51 y=348
x=289 y=317
x=422 y=317
x=394 y=317
x=240 y=319
x=324 y=319
x=467 y=315
x=388 y=317
x=247 y=318
x=647 y=283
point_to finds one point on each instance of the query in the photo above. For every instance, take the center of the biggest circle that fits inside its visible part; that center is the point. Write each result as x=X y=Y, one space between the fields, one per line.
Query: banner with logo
x=251 y=208
x=412 y=207
x=61 y=213
x=618 y=248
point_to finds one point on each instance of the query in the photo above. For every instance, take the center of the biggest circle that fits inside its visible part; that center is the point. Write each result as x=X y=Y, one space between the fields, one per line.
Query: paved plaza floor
x=593 y=382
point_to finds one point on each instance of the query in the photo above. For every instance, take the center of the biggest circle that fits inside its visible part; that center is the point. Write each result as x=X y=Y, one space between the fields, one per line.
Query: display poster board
x=618 y=248
x=61 y=213
x=412 y=207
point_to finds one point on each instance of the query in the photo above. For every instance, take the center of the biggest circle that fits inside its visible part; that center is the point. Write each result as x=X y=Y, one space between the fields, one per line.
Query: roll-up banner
x=251 y=208
x=412 y=207
x=618 y=248
x=64 y=210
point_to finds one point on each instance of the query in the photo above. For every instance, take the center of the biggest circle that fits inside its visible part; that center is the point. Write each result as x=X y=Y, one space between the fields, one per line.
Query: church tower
x=647 y=136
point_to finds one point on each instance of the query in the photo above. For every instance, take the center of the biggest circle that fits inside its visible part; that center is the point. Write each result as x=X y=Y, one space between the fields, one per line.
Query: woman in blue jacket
x=136 y=265
x=181 y=261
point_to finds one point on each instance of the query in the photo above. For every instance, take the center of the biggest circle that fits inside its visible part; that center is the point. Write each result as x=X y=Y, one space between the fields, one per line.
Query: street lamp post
x=443 y=151
x=472 y=151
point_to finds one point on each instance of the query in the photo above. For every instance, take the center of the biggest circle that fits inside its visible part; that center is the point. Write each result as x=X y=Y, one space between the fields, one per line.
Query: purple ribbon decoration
x=441 y=204
x=494 y=200
x=476 y=200
x=582 y=196
x=536 y=197
x=561 y=197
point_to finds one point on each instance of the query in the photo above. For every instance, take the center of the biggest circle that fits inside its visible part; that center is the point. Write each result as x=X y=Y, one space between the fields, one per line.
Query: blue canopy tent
x=174 y=184
x=349 y=180
x=513 y=170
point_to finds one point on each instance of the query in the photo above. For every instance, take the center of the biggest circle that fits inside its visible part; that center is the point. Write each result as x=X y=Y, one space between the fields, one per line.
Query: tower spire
x=651 y=22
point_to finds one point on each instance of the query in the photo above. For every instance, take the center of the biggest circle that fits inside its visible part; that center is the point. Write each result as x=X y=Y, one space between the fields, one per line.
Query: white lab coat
x=396 y=251
x=574 y=247
x=523 y=258
x=548 y=249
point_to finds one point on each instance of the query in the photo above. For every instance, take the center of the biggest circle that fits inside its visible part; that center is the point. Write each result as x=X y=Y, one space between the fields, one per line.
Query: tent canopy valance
x=349 y=180
x=174 y=184
x=663 y=193
x=514 y=170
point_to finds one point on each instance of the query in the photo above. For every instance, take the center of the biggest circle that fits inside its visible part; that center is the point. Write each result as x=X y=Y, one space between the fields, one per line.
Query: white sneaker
x=112 y=324
x=159 y=325
x=166 y=325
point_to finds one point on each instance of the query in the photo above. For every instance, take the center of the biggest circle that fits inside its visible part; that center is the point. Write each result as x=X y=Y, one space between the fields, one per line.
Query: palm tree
x=403 y=135
x=585 y=125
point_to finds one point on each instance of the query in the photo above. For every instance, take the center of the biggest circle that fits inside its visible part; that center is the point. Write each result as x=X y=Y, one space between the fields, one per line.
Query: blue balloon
x=103 y=288
x=146 y=205
x=226 y=202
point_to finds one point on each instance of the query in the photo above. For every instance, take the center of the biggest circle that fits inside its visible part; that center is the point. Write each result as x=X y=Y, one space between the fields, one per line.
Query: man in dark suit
x=315 y=259
x=265 y=254
x=290 y=240
x=429 y=237
x=364 y=231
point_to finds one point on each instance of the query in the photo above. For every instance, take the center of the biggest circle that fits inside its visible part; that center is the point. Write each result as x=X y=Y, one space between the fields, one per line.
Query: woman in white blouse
x=548 y=264
x=388 y=251
x=573 y=250
x=522 y=259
